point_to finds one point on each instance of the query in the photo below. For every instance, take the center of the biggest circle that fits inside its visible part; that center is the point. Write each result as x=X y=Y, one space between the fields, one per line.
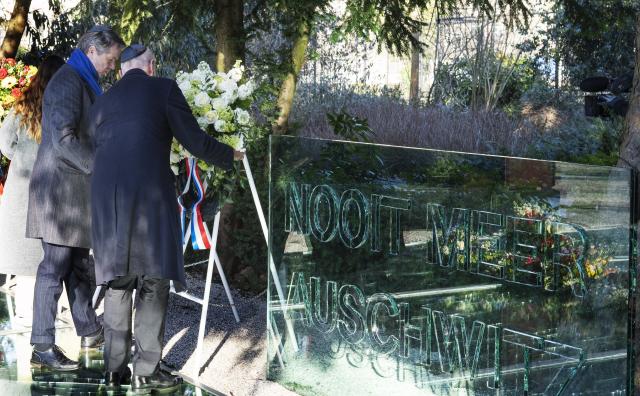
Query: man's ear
x=92 y=50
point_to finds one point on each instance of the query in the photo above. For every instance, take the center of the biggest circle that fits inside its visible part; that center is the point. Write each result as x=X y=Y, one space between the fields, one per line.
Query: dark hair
x=101 y=37
x=29 y=105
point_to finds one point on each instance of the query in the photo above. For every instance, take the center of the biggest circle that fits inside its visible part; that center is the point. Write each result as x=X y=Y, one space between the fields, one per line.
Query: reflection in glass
x=419 y=272
x=17 y=377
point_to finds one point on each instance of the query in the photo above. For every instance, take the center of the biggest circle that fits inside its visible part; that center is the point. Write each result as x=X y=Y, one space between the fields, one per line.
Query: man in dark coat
x=137 y=238
x=59 y=212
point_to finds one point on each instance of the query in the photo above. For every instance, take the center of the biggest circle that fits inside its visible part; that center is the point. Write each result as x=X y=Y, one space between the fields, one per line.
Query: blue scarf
x=81 y=64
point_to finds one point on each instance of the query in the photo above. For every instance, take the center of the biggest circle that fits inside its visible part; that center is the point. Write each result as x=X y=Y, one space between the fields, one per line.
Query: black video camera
x=603 y=96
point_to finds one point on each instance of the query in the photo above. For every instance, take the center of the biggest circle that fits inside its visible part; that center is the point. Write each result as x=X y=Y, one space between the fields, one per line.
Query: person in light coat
x=20 y=135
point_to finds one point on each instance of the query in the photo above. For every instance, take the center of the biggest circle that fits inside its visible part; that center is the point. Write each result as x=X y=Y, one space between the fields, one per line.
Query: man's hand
x=238 y=155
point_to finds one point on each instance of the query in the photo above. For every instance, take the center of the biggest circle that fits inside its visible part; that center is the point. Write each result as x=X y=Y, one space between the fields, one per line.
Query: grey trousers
x=74 y=267
x=152 y=296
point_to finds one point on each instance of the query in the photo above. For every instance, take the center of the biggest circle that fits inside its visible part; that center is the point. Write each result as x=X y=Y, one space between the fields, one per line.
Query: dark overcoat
x=59 y=201
x=136 y=225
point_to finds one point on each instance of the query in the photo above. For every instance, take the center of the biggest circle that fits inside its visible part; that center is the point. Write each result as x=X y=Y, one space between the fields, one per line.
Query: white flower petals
x=219 y=101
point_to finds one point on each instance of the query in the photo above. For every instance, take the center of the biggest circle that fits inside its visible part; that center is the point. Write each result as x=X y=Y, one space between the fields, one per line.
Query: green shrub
x=350 y=127
x=581 y=139
x=454 y=82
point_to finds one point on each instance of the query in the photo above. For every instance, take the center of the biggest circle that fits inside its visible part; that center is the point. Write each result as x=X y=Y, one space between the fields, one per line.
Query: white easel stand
x=272 y=266
x=204 y=302
x=213 y=257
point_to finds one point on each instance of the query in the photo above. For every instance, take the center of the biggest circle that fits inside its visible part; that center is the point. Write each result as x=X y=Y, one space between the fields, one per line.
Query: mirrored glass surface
x=18 y=377
x=422 y=272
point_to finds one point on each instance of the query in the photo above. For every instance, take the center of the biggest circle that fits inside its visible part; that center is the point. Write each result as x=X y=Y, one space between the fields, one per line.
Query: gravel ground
x=234 y=354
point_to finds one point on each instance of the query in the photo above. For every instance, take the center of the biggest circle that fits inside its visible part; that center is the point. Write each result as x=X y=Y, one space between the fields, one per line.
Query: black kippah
x=132 y=51
x=100 y=28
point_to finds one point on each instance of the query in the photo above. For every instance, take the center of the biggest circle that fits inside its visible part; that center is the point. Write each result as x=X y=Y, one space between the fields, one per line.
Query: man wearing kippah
x=137 y=240
x=59 y=212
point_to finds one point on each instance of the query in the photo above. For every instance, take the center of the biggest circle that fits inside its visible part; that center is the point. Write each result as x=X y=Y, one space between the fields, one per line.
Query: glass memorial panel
x=405 y=271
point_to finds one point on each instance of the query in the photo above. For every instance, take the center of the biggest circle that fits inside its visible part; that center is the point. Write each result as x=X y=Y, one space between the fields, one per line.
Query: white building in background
x=382 y=69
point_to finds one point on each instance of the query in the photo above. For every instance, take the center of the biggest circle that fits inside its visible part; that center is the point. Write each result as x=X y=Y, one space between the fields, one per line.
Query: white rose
x=245 y=90
x=200 y=76
x=227 y=85
x=235 y=74
x=230 y=97
x=202 y=99
x=212 y=116
x=185 y=86
x=219 y=103
x=202 y=122
x=219 y=125
x=242 y=117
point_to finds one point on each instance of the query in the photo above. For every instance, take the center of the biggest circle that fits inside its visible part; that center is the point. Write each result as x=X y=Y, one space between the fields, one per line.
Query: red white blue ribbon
x=200 y=238
x=182 y=209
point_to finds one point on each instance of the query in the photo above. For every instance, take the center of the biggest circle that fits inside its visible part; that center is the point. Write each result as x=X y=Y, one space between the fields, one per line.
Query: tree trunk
x=229 y=31
x=558 y=11
x=288 y=88
x=15 y=28
x=414 y=80
x=230 y=43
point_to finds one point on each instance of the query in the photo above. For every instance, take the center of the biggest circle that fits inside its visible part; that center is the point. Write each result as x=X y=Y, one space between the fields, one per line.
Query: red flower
x=3 y=73
x=25 y=70
x=16 y=92
x=532 y=261
x=11 y=61
x=22 y=81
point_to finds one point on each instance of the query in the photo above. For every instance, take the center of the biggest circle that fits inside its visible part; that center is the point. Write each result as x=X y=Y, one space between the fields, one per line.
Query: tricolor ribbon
x=200 y=238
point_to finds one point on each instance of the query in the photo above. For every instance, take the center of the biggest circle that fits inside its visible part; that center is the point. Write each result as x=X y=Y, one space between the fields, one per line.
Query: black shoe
x=157 y=381
x=115 y=379
x=95 y=341
x=54 y=359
